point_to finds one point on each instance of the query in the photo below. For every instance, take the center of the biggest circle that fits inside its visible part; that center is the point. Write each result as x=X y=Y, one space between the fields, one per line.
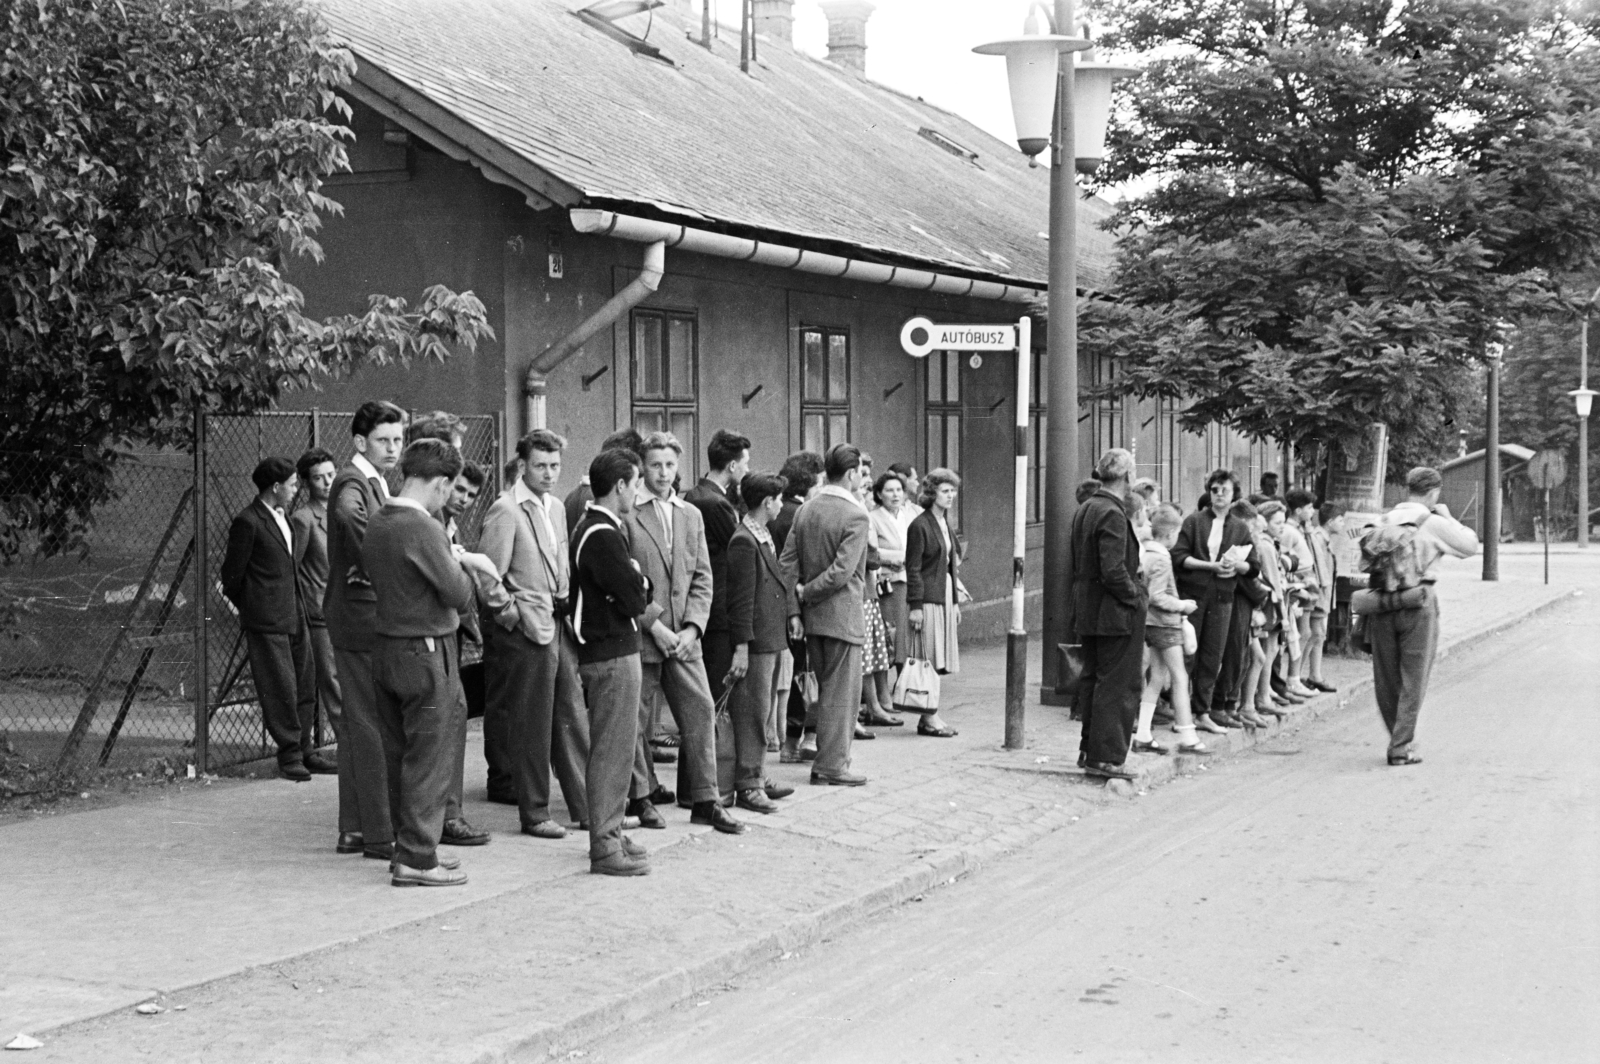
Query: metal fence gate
x=127 y=651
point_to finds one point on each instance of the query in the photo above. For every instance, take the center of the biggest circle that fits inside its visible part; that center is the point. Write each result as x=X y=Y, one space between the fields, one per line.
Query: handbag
x=807 y=683
x=1191 y=639
x=916 y=689
x=1071 y=675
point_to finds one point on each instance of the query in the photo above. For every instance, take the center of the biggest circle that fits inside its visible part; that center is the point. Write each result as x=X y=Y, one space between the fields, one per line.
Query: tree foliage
x=158 y=158
x=1346 y=197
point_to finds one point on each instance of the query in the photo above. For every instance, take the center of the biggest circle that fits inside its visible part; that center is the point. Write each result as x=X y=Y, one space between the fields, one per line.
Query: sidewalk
x=232 y=904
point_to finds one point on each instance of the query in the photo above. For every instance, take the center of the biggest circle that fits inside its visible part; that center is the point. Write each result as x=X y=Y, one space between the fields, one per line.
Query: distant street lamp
x=1054 y=111
x=1583 y=398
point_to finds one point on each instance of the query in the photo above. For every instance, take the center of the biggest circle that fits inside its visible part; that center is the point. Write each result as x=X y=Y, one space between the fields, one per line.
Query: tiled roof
x=798 y=147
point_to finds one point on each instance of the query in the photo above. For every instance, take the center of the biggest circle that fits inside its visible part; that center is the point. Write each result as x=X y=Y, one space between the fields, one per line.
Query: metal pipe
x=1062 y=463
x=535 y=382
x=1017 y=637
x=763 y=253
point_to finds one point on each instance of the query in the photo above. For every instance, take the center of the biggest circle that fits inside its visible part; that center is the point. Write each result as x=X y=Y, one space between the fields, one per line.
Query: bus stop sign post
x=920 y=337
x=1548 y=469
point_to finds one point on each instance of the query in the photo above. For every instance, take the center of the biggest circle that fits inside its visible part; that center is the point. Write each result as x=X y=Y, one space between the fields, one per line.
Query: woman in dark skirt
x=934 y=592
x=890 y=520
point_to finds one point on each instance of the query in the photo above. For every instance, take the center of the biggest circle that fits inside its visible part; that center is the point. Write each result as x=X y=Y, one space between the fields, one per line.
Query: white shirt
x=1214 y=541
x=664 y=515
x=401 y=500
x=838 y=492
x=283 y=527
x=370 y=471
x=521 y=493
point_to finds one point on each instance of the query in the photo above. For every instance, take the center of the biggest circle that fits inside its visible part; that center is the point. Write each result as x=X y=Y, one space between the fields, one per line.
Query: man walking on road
x=825 y=561
x=1403 y=625
x=1109 y=610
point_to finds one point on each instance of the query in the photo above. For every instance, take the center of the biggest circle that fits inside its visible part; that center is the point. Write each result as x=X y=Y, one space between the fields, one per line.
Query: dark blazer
x=928 y=564
x=1107 y=596
x=1192 y=542
x=720 y=520
x=780 y=525
x=758 y=599
x=350 y=606
x=258 y=573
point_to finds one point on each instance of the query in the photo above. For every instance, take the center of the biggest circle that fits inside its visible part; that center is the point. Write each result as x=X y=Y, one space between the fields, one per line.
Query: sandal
x=1406 y=759
x=936 y=733
x=1194 y=748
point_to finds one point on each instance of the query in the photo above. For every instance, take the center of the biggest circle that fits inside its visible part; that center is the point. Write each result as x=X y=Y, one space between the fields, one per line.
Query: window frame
x=828 y=407
x=670 y=407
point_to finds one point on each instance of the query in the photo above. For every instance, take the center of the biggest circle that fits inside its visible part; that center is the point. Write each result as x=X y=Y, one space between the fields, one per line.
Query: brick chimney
x=847 y=33
x=775 y=20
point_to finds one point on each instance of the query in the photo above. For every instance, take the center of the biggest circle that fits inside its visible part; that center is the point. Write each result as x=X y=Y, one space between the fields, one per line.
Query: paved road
x=1302 y=903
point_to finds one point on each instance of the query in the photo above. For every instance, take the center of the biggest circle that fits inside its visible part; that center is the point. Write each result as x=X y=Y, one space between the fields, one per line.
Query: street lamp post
x=1583 y=399
x=1491 y=469
x=1057 y=105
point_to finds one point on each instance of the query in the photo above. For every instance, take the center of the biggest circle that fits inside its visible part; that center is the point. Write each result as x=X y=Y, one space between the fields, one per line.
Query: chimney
x=775 y=20
x=847 y=33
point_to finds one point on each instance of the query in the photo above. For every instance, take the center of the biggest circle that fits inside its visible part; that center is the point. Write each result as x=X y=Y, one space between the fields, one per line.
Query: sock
x=1147 y=710
x=1186 y=735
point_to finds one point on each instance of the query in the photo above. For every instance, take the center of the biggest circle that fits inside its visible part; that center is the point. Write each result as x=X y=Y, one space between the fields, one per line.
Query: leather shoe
x=862 y=734
x=661 y=796
x=320 y=764
x=774 y=791
x=619 y=864
x=1107 y=771
x=880 y=720
x=446 y=862
x=294 y=771
x=1321 y=685
x=380 y=851
x=545 y=829
x=808 y=748
x=437 y=876
x=648 y=817
x=757 y=802
x=633 y=849
x=458 y=832
x=717 y=817
x=838 y=779
x=1227 y=720
x=789 y=754
x=1140 y=747
x=350 y=842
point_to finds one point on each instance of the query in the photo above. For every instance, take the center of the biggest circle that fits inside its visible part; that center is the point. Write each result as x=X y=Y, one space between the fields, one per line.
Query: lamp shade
x=1032 y=64
x=1583 y=398
x=1091 y=111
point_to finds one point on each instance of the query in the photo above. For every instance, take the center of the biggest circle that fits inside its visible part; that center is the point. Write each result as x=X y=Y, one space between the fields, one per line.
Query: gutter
x=704 y=242
x=535 y=381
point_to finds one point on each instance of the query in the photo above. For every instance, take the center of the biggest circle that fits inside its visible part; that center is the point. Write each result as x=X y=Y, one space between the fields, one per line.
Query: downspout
x=535 y=381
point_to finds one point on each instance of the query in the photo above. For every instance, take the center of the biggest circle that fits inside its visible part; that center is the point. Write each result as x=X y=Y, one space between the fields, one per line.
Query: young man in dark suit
x=825 y=561
x=1108 y=612
x=421 y=582
x=359 y=491
x=758 y=613
x=728 y=455
x=609 y=595
x=259 y=579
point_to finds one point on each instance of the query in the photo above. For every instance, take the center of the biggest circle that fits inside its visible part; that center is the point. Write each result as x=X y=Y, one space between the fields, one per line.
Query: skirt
x=893 y=606
x=875 y=651
x=938 y=643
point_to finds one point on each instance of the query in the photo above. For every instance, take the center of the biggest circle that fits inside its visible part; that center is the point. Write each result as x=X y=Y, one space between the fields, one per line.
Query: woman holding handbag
x=891 y=519
x=934 y=593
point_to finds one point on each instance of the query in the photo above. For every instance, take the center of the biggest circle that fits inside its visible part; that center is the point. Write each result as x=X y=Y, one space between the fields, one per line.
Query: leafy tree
x=158 y=158
x=1347 y=197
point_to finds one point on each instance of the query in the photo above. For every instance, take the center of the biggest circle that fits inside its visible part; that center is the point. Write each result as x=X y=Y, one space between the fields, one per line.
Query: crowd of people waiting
x=768 y=613
x=1221 y=615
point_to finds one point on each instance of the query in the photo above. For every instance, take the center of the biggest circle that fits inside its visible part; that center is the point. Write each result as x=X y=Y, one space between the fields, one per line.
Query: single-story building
x=666 y=240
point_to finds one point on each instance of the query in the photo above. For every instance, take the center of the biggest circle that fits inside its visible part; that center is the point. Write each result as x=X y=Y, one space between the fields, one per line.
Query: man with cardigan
x=825 y=561
x=259 y=579
x=1108 y=604
x=420 y=584
x=359 y=491
x=609 y=594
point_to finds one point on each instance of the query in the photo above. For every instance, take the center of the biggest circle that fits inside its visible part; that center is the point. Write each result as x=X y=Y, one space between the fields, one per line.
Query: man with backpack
x=1400 y=607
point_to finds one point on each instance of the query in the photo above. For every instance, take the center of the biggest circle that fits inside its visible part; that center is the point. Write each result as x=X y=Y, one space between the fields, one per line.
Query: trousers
x=286 y=686
x=1403 y=646
x=688 y=696
x=611 y=689
x=1108 y=696
x=332 y=704
x=742 y=736
x=1211 y=624
x=838 y=668
x=418 y=693
x=535 y=721
x=1235 y=659
x=361 y=747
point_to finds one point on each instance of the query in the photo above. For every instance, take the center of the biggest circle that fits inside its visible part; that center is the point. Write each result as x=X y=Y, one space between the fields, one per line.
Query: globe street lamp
x=1052 y=110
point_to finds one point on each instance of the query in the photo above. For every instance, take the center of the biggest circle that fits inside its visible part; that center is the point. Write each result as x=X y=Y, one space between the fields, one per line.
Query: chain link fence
x=124 y=650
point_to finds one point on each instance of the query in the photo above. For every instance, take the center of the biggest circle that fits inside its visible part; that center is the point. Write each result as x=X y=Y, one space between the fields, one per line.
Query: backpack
x=1389 y=557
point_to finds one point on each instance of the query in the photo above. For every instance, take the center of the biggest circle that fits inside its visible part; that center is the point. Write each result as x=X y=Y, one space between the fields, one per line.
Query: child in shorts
x=1163 y=636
